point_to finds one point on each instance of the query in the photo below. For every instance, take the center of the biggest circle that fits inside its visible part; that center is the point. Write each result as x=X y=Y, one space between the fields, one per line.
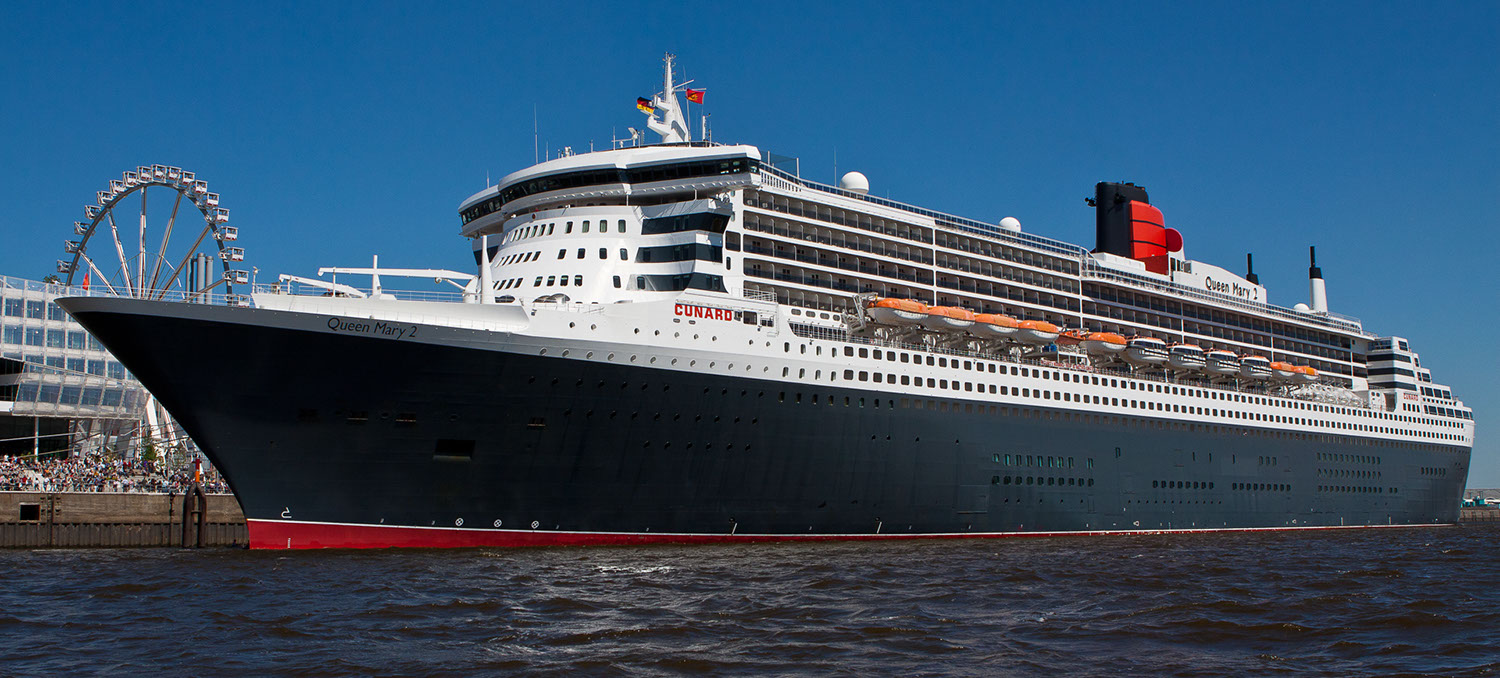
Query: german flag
x=645 y=105
x=695 y=95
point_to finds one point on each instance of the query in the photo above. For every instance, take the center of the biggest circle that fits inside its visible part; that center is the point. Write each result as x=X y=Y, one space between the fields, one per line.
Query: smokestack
x=1316 y=286
x=1250 y=270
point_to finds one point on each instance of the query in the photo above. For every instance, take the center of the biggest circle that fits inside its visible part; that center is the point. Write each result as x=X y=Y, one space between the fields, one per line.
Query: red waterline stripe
x=277 y=534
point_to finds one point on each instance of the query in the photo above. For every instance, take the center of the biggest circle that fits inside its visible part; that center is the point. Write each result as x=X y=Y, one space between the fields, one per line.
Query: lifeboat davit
x=888 y=311
x=1036 y=332
x=1283 y=371
x=1144 y=351
x=1305 y=374
x=1105 y=344
x=993 y=326
x=948 y=318
x=1221 y=362
x=1255 y=367
x=1186 y=357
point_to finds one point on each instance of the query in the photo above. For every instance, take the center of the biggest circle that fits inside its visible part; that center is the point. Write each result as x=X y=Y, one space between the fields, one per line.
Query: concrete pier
x=113 y=519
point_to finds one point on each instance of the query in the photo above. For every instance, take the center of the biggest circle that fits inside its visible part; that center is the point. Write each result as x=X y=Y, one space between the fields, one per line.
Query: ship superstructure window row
x=683 y=252
x=605 y=177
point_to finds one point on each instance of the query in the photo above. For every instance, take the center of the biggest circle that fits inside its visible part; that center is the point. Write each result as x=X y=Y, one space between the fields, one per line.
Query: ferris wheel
x=137 y=263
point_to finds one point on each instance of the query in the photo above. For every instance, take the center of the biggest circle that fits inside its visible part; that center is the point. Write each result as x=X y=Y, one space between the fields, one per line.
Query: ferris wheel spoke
x=102 y=278
x=161 y=252
x=120 y=250
x=207 y=228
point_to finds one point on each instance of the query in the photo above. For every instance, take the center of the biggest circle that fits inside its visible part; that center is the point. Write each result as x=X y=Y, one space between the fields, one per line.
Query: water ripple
x=1406 y=601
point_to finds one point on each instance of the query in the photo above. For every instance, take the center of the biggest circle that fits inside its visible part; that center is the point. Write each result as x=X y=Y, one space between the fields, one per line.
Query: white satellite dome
x=1301 y=308
x=1011 y=224
x=855 y=183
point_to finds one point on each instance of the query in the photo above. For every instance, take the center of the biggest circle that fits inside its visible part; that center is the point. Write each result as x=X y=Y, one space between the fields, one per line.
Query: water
x=1359 y=602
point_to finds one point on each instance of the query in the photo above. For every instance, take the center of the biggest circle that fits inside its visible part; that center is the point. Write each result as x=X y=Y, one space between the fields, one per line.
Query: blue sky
x=339 y=130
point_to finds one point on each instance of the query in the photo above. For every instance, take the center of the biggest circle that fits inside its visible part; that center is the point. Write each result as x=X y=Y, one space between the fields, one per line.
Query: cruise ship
x=685 y=341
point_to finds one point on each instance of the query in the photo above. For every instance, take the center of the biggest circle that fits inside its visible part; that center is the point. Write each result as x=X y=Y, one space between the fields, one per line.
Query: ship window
x=569 y=228
x=580 y=253
x=603 y=253
x=577 y=280
x=585 y=227
x=562 y=253
x=538 y=282
x=622 y=225
x=551 y=280
x=564 y=282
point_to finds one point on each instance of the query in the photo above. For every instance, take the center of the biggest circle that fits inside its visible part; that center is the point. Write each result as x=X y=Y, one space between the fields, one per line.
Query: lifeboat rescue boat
x=993 y=326
x=1220 y=362
x=1036 y=332
x=1101 y=344
x=1256 y=367
x=889 y=311
x=1185 y=357
x=948 y=318
x=1283 y=371
x=1145 y=351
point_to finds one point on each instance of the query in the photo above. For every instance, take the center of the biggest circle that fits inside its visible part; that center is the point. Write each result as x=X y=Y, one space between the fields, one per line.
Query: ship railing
x=181 y=296
x=1093 y=271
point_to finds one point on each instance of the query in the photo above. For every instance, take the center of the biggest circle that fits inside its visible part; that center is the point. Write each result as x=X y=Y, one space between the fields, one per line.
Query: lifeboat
x=888 y=311
x=1186 y=357
x=1305 y=374
x=1221 y=362
x=993 y=326
x=1036 y=332
x=1255 y=367
x=1143 y=351
x=1102 y=343
x=948 y=318
x=1283 y=371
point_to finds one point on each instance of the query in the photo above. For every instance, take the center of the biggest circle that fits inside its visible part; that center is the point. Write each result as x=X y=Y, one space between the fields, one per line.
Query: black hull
x=314 y=427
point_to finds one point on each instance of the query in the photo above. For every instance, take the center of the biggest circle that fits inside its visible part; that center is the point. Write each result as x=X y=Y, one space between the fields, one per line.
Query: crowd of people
x=100 y=472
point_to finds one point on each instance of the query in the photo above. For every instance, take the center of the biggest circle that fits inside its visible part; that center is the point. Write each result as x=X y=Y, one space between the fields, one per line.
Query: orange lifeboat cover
x=901 y=304
x=995 y=319
x=1039 y=325
x=1284 y=367
x=953 y=312
x=1106 y=337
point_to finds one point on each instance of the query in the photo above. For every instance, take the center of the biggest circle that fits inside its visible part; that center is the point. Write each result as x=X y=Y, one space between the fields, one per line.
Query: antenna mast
x=673 y=126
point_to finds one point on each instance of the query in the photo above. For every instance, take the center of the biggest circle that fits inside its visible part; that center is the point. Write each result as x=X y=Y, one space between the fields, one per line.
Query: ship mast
x=673 y=126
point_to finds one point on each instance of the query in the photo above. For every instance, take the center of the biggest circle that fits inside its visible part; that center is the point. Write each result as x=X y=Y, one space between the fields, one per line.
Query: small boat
x=1036 y=332
x=1255 y=367
x=1283 y=371
x=1305 y=374
x=1144 y=351
x=993 y=326
x=948 y=318
x=1185 y=357
x=1103 y=344
x=1221 y=362
x=888 y=311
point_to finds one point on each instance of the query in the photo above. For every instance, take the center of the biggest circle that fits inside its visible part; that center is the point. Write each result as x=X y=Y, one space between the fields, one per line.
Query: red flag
x=85 y=280
x=645 y=105
x=695 y=95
